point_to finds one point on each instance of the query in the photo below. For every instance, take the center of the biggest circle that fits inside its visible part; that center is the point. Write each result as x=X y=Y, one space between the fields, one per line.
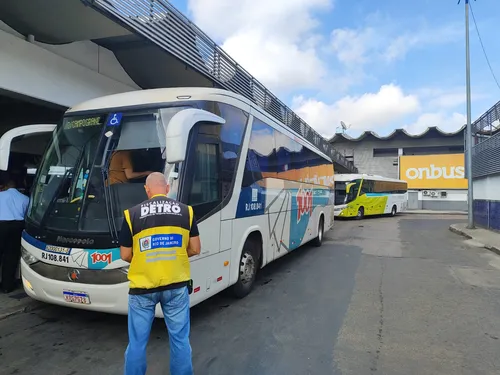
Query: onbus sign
x=444 y=171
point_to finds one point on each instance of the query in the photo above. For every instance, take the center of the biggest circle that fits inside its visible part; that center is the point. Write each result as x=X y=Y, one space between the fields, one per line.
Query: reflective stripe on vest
x=160 y=230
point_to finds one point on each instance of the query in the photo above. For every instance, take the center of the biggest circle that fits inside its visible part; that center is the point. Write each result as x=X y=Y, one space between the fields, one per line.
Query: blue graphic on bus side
x=252 y=201
x=304 y=201
x=114 y=119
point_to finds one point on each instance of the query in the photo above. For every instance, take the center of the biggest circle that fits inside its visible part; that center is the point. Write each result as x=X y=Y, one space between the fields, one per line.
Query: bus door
x=191 y=138
x=21 y=149
x=203 y=190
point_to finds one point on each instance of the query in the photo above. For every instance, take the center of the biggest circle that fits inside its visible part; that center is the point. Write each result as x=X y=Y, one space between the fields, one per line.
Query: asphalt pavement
x=399 y=295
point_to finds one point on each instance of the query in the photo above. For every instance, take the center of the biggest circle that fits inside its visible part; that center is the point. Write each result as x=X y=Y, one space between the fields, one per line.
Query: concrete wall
x=64 y=74
x=455 y=200
x=487 y=202
x=362 y=152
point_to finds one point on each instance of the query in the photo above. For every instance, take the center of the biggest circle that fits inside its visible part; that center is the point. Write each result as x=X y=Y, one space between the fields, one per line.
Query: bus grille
x=84 y=276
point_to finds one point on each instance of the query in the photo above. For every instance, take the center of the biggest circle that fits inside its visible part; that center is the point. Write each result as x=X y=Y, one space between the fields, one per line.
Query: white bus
x=367 y=195
x=258 y=191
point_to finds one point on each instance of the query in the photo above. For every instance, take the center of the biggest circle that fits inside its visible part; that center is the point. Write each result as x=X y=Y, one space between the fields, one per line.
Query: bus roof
x=152 y=96
x=139 y=98
x=357 y=176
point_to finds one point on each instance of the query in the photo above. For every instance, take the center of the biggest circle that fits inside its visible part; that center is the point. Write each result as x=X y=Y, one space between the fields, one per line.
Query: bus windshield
x=353 y=188
x=94 y=169
x=340 y=194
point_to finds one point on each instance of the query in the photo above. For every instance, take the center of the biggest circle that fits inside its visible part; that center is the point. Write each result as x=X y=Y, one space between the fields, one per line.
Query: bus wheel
x=321 y=229
x=361 y=213
x=394 y=210
x=249 y=264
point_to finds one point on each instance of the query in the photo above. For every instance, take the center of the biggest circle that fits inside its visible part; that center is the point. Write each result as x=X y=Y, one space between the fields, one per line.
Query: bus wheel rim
x=320 y=232
x=247 y=268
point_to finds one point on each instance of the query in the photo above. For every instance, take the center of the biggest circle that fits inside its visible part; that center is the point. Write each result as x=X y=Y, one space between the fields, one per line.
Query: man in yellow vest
x=157 y=237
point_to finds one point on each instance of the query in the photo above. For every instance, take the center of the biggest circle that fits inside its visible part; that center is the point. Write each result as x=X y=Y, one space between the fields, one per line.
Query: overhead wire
x=482 y=46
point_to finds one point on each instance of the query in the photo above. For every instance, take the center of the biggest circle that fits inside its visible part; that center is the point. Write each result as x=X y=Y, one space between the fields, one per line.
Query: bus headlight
x=27 y=257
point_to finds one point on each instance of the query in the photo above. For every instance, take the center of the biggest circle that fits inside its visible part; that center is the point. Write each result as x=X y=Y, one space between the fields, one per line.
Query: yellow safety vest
x=160 y=230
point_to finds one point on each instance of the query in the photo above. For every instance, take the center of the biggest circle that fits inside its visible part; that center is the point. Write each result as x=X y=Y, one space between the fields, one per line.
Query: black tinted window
x=205 y=192
x=272 y=153
x=366 y=187
x=231 y=136
x=261 y=157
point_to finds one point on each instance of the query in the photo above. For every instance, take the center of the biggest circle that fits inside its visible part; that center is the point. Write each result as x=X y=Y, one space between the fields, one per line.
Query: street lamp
x=468 y=140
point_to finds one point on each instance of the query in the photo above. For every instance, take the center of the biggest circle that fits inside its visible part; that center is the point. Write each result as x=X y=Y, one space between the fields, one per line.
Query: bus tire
x=249 y=264
x=318 y=241
x=394 y=210
x=361 y=213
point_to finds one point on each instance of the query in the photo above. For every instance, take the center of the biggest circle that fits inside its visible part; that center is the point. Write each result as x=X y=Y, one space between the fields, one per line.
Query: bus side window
x=366 y=187
x=231 y=137
x=205 y=188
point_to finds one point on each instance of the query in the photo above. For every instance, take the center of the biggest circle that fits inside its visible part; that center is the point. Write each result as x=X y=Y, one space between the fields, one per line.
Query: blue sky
x=376 y=65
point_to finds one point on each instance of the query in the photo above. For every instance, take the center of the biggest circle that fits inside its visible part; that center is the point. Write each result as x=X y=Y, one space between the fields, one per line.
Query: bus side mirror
x=178 y=128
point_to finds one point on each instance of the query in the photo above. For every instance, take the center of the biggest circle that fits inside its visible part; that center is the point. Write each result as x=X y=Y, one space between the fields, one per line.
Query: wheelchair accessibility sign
x=114 y=119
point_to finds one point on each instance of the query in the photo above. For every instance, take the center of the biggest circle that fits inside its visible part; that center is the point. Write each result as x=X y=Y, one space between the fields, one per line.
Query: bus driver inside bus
x=121 y=169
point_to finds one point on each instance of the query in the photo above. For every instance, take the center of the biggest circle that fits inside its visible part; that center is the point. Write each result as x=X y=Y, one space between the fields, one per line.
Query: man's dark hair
x=8 y=179
x=4 y=178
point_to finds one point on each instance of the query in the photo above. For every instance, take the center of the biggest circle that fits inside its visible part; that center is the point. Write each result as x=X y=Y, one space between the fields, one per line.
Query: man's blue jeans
x=141 y=311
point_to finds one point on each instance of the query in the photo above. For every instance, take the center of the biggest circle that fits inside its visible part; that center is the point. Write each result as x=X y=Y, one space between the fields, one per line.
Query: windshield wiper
x=55 y=197
x=109 y=205
x=107 y=192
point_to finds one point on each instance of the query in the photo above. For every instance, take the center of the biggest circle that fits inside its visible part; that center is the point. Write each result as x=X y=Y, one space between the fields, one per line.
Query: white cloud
x=384 y=41
x=365 y=112
x=449 y=122
x=279 y=43
x=352 y=46
x=275 y=41
x=439 y=98
x=426 y=36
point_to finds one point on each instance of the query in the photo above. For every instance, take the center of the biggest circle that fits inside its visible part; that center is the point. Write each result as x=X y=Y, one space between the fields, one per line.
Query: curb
x=493 y=249
x=30 y=306
x=433 y=213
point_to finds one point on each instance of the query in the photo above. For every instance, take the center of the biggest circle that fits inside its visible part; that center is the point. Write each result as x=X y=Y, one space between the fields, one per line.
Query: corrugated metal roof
x=435 y=129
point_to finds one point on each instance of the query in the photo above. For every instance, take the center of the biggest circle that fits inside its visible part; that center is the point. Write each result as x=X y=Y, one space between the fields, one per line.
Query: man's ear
x=167 y=189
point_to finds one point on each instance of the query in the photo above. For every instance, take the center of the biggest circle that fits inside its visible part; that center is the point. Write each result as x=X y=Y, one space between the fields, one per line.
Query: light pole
x=468 y=141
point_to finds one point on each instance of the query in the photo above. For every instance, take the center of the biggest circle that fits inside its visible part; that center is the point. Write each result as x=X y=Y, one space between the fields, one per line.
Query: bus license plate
x=76 y=297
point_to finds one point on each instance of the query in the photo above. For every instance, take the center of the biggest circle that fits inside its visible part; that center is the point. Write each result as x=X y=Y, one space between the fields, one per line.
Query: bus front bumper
x=340 y=210
x=105 y=298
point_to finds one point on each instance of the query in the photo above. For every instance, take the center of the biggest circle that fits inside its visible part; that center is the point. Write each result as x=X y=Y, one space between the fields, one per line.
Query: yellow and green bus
x=360 y=195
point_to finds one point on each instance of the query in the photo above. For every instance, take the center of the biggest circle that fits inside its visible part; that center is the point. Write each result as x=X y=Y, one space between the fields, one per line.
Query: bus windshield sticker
x=114 y=119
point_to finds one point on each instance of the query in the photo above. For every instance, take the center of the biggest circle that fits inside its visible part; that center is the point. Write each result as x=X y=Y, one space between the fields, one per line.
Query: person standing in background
x=13 y=206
